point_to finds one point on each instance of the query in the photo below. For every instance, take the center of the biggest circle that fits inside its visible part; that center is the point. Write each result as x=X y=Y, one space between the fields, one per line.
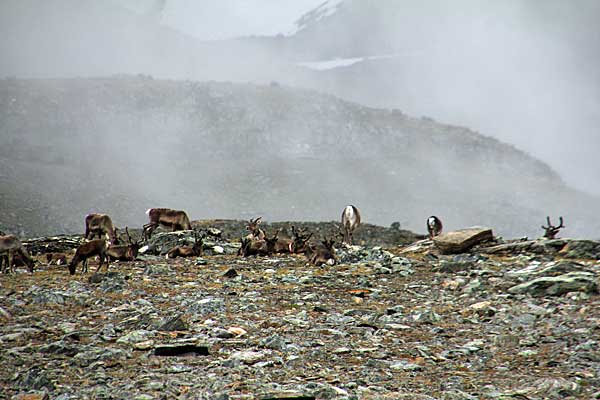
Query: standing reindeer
x=177 y=220
x=11 y=248
x=100 y=224
x=350 y=221
x=552 y=230
x=434 y=226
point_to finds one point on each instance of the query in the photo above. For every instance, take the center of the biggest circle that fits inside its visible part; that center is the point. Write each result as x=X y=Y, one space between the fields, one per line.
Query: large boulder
x=462 y=240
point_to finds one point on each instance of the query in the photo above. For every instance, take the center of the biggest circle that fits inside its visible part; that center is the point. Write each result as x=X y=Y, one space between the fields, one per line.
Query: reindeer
x=96 y=247
x=324 y=253
x=255 y=232
x=350 y=221
x=434 y=226
x=177 y=220
x=100 y=224
x=122 y=252
x=552 y=230
x=187 y=251
x=264 y=247
x=57 y=258
x=299 y=240
x=11 y=248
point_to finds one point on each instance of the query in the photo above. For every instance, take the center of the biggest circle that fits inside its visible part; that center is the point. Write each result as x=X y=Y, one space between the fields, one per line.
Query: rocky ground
x=394 y=319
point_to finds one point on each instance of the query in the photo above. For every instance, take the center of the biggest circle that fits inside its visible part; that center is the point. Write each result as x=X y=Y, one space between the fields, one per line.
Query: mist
x=522 y=72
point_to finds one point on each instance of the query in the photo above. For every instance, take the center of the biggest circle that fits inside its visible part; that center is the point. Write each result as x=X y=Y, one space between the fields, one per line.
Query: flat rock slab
x=558 y=285
x=462 y=240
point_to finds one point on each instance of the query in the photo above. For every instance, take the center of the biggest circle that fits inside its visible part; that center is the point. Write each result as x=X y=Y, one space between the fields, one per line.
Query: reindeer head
x=271 y=242
x=552 y=230
x=253 y=225
x=299 y=240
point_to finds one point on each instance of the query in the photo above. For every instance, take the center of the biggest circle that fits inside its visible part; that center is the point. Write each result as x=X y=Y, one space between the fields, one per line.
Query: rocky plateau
x=394 y=318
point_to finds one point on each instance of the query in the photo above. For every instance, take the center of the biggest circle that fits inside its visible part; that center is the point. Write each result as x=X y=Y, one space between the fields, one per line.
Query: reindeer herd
x=110 y=246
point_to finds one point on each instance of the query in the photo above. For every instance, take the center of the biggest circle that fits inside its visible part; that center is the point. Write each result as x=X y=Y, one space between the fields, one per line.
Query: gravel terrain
x=400 y=320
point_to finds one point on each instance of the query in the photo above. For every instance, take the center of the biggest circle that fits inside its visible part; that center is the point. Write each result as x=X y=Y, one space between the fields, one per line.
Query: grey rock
x=405 y=366
x=201 y=309
x=274 y=342
x=581 y=249
x=457 y=395
x=136 y=336
x=558 y=285
x=36 y=378
x=221 y=333
x=462 y=240
x=60 y=347
x=157 y=269
x=88 y=357
x=174 y=323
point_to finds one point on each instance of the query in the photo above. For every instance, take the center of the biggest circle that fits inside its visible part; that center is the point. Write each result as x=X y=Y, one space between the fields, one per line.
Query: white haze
x=546 y=100
x=526 y=72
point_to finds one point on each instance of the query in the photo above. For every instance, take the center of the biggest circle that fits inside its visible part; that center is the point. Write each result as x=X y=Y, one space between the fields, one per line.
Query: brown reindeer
x=552 y=230
x=264 y=247
x=299 y=241
x=434 y=226
x=96 y=247
x=254 y=227
x=350 y=221
x=11 y=248
x=320 y=254
x=124 y=252
x=177 y=220
x=57 y=258
x=100 y=224
x=187 y=251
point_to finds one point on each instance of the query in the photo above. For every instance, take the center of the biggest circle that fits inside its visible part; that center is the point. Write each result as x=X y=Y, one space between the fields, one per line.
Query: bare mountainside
x=123 y=144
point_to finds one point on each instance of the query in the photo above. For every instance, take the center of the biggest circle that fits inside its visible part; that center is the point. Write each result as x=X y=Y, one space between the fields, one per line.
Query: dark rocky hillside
x=124 y=144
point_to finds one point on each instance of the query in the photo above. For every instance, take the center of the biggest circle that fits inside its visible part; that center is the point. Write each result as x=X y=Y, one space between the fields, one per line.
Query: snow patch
x=341 y=62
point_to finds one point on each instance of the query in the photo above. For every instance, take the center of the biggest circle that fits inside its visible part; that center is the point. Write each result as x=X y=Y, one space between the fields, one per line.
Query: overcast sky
x=221 y=19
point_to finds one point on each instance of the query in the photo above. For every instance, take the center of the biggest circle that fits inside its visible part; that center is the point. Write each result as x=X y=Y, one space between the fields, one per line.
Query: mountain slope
x=121 y=145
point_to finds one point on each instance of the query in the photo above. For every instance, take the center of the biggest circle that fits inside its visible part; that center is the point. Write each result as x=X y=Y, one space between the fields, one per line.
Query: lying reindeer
x=434 y=226
x=551 y=231
x=11 y=248
x=254 y=227
x=100 y=224
x=264 y=247
x=299 y=241
x=96 y=247
x=123 y=252
x=57 y=258
x=350 y=221
x=323 y=253
x=187 y=251
x=177 y=220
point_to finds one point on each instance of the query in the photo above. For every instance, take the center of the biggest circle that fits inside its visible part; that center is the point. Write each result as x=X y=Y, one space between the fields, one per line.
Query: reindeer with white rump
x=350 y=221
x=11 y=246
x=177 y=220
x=434 y=226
